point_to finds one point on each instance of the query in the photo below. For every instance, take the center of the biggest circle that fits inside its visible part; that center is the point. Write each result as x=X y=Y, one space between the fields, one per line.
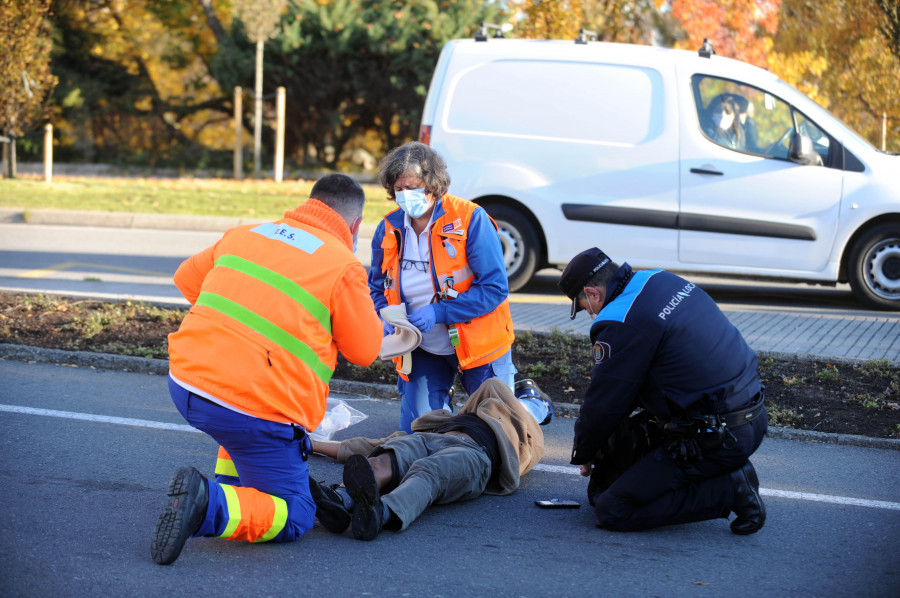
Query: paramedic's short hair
x=419 y=160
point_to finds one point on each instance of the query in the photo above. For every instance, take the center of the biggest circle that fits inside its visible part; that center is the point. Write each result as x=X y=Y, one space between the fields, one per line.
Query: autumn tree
x=26 y=82
x=630 y=21
x=357 y=71
x=838 y=54
x=560 y=19
x=741 y=29
x=890 y=25
x=134 y=82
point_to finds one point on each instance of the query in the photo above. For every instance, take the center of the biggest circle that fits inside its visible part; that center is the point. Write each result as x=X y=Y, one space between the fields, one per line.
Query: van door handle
x=705 y=171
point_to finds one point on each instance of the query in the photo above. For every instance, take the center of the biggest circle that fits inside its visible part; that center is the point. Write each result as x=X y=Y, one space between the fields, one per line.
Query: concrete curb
x=135 y=220
x=143 y=365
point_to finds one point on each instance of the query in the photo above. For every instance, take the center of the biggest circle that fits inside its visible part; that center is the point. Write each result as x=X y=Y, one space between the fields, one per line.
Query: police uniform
x=661 y=344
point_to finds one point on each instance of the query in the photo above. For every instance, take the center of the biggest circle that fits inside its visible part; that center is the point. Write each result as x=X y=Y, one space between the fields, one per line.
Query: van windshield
x=846 y=128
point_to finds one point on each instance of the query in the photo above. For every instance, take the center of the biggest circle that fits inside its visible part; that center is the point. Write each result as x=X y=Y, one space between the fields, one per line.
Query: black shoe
x=748 y=505
x=188 y=500
x=359 y=479
x=330 y=509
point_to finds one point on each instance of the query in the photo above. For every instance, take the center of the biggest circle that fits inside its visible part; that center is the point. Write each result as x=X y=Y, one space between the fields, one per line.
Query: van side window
x=821 y=140
x=742 y=117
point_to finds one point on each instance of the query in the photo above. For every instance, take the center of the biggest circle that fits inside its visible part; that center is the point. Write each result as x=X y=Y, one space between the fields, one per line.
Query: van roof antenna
x=706 y=50
x=585 y=36
x=482 y=34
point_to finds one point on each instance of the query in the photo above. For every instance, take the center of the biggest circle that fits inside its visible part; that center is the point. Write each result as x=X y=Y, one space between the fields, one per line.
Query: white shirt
x=417 y=287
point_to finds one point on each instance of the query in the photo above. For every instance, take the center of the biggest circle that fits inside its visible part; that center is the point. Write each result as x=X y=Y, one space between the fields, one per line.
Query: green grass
x=265 y=200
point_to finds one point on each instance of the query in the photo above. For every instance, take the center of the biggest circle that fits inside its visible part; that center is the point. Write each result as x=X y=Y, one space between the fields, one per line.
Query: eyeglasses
x=408 y=264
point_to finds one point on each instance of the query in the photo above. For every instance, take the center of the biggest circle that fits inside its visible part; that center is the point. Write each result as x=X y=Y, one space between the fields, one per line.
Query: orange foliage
x=741 y=29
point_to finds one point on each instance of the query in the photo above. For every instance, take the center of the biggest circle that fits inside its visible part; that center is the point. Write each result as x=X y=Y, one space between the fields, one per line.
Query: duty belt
x=733 y=419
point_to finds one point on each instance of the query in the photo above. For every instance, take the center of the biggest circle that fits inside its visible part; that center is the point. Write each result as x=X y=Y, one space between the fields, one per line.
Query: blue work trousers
x=432 y=376
x=267 y=456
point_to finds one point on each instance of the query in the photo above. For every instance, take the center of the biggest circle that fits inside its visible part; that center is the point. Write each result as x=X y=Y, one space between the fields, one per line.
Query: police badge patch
x=602 y=351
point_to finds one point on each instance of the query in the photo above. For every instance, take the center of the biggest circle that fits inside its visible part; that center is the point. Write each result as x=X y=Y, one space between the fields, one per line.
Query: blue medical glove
x=388 y=329
x=423 y=318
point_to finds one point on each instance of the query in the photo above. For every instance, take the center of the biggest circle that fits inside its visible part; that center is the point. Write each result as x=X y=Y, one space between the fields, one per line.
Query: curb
x=177 y=222
x=160 y=367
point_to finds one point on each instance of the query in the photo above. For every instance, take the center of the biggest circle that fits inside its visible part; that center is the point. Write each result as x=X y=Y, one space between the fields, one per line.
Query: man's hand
x=423 y=318
x=587 y=468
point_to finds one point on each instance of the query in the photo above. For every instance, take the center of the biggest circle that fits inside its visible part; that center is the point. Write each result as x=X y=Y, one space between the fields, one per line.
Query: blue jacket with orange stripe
x=481 y=308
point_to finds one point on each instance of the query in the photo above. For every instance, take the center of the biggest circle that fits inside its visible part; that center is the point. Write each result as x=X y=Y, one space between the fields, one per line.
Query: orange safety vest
x=259 y=335
x=482 y=339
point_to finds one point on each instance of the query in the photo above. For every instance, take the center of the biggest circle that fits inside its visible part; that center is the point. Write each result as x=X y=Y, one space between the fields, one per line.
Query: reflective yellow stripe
x=226 y=467
x=234 y=510
x=278 y=520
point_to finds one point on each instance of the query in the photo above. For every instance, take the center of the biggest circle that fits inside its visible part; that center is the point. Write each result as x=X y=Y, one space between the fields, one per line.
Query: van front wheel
x=520 y=244
x=875 y=267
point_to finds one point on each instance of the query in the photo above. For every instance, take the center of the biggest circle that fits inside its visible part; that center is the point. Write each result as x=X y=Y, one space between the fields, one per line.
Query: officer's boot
x=748 y=505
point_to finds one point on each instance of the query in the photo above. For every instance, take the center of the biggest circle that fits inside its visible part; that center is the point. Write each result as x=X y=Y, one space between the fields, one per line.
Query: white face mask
x=725 y=121
x=590 y=308
x=413 y=201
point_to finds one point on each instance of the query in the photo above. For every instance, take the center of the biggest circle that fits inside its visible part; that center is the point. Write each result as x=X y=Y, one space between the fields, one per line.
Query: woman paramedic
x=440 y=256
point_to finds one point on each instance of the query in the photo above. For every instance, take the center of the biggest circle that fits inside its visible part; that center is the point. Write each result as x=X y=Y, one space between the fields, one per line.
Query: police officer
x=675 y=405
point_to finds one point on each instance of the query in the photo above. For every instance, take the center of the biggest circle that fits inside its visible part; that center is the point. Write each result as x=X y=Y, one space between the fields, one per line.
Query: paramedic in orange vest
x=440 y=256
x=272 y=304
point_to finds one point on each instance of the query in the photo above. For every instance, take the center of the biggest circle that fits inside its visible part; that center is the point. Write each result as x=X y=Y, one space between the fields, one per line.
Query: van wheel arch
x=522 y=237
x=870 y=263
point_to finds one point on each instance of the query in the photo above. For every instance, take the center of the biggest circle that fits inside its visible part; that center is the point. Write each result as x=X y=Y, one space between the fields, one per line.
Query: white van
x=570 y=145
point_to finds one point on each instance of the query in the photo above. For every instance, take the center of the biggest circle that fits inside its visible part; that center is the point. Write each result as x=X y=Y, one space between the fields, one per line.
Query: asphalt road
x=86 y=455
x=103 y=261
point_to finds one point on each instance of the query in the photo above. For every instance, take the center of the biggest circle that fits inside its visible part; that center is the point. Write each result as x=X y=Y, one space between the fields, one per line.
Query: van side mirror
x=801 y=150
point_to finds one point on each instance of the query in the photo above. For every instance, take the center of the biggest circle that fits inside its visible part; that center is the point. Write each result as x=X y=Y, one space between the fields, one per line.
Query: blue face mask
x=413 y=201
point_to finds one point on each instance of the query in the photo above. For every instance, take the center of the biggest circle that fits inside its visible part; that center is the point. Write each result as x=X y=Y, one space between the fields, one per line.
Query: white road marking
x=568 y=470
x=106 y=419
x=838 y=500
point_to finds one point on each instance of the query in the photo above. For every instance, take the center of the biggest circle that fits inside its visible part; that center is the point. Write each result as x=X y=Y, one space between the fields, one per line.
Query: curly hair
x=416 y=159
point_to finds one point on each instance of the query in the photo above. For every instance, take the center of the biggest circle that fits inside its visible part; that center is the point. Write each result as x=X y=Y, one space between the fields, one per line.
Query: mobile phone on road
x=555 y=503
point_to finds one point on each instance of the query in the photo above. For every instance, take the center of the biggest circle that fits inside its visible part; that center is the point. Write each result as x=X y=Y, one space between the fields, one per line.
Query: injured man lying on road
x=486 y=447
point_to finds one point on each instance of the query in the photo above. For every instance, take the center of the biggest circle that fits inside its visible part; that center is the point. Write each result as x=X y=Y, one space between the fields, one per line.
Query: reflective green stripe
x=226 y=467
x=234 y=510
x=271 y=331
x=278 y=520
x=284 y=284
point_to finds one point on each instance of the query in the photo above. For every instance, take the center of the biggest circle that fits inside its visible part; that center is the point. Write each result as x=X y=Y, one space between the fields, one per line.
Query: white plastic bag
x=338 y=416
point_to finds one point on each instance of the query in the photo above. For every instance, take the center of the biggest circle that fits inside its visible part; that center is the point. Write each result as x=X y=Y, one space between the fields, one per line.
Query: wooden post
x=238 y=134
x=279 y=136
x=257 y=110
x=883 y=131
x=48 y=153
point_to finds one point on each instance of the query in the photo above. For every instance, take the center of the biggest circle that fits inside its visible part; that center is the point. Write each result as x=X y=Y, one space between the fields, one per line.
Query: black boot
x=330 y=508
x=188 y=500
x=368 y=512
x=748 y=505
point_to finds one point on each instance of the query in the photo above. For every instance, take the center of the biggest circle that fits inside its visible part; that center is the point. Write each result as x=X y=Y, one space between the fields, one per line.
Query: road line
x=143 y=423
x=42 y=272
x=828 y=498
x=107 y=419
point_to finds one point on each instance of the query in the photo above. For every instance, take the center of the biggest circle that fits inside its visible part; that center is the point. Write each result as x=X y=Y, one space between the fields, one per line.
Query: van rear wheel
x=520 y=244
x=875 y=267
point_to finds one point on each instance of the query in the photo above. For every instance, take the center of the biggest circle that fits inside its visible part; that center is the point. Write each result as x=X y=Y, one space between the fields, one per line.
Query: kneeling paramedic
x=272 y=304
x=663 y=348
